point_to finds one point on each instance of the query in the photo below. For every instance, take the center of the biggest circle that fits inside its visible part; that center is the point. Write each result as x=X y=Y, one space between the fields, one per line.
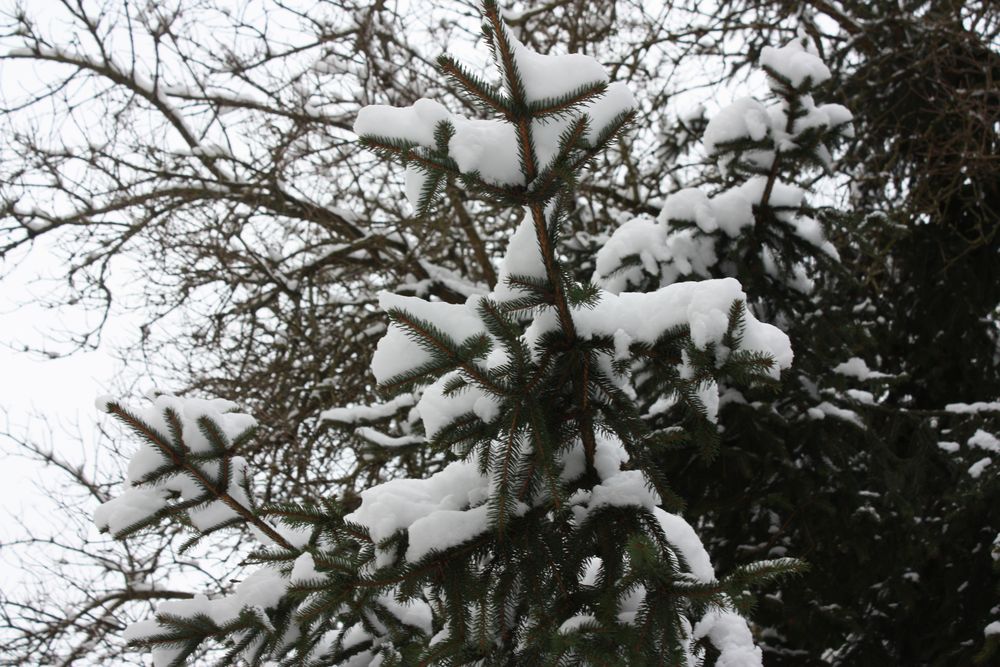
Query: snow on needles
x=748 y=139
x=745 y=118
x=489 y=147
x=433 y=510
x=141 y=499
x=795 y=64
x=548 y=76
x=397 y=352
x=729 y=633
x=703 y=306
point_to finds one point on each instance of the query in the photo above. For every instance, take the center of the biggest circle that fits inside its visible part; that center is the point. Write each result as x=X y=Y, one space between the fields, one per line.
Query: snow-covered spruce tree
x=544 y=541
x=758 y=227
x=842 y=452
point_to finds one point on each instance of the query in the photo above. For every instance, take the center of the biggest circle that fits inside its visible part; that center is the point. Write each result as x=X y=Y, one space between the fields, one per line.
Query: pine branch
x=567 y=105
x=180 y=460
x=477 y=89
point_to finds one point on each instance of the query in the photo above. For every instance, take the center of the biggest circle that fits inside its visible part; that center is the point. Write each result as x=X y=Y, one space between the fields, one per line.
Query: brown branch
x=478 y=247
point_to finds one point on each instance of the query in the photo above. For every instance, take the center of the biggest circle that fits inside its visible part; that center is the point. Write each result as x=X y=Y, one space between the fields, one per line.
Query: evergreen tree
x=544 y=538
x=843 y=451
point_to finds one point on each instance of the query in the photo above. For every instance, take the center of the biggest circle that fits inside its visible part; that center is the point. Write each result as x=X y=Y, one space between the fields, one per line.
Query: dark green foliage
x=886 y=518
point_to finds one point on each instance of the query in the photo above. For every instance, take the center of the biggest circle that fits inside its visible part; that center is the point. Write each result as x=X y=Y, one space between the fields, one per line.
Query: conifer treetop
x=767 y=154
x=549 y=536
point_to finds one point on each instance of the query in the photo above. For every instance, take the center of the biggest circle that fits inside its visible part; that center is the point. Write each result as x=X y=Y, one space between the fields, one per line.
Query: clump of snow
x=104 y=402
x=682 y=537
x=857 y=368
x=795 y=64
x=367 y=413
x=823 y=116
x=398 y=353
x=682 y=252
x=977 y=468
x=381 y=439
x=260 y=590
x=729 y=211
x=729 y=633
x=553 y=76
x=415 y=613
x=490 y=147
x=142 y=500
x=135 y=505
x=973 y=408
x=862 y=396
x=703 y=306
x=437 y=410
x=354 y=635
x=442 y=501
x=304 y=569
x=985 y=440
x=708 y=394
x=746 y=119
x=442 y=529
x=575 y=622
x=827 y=409
x=627 y=488
x=523 y=258
x=414 y=180
x=415 y=123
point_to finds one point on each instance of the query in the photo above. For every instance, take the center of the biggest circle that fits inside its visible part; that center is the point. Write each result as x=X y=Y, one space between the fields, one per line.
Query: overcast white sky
x=48 y=400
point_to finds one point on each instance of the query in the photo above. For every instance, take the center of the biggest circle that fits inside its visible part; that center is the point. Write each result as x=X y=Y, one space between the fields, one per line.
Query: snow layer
x=746 y=119
x=729 y=211
x=857 y=368
x=141 y=500
x=397 y=352
x=794 y=63
x=729 y=633
x=367 y=413
x=262 y=589
x=435 y=511
x=131 y=507
x=443 y=529
x=490 y=147
x=682 y=244
x=415 y=613
x=437 y=410
x=304 y=569
x=553 y=76
x=523 y=258
x=415 y=123
x=985 y=440
x=627 y=488
x=682 y=537
x=703 y=306
x=827 y=409
x=973 y=408
x=575 y=622
x=977 y=468
x=640 y=237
